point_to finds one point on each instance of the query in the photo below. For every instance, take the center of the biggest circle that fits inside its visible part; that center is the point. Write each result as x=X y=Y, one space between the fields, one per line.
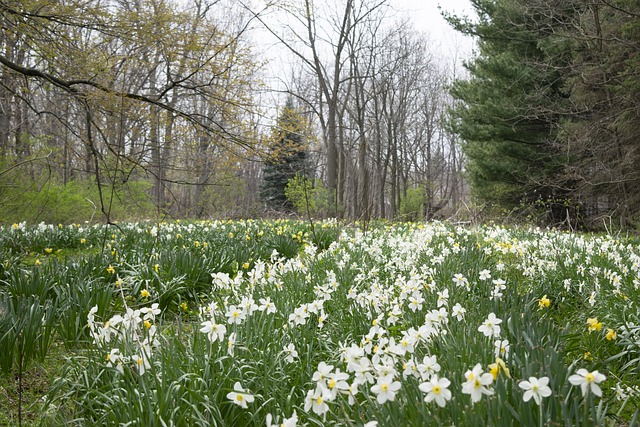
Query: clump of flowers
x=478 y=383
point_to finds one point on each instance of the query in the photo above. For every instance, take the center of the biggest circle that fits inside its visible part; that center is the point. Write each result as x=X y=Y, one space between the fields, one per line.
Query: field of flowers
x=288 y=323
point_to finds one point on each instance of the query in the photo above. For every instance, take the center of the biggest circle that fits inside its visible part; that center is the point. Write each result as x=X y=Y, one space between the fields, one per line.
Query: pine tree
x=287 y=157
x=507 y=114
x=550 y=113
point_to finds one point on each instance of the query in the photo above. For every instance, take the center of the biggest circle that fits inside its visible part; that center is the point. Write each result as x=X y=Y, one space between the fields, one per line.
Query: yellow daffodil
x=499 y=366
x=611 y=334
x=110 y=269
x=48 y=250
x=544 y=302
x=145 y=293
x=593 y=324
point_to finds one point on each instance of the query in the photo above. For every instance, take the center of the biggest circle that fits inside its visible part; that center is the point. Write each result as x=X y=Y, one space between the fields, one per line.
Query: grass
x=123 y=340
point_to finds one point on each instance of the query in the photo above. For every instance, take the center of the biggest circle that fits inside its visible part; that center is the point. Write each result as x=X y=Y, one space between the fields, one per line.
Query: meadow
x=289 y=323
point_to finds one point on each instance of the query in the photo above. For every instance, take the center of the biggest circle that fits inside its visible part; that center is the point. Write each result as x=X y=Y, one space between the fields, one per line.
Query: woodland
x=116 y=110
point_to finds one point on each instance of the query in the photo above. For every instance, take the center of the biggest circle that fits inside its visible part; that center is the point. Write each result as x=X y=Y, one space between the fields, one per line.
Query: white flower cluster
x=128 y=339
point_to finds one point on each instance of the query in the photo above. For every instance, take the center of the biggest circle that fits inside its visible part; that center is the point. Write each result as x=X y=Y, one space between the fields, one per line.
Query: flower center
x=384 y=387
x=239 y=397
x=589 y=377
x=436 y=389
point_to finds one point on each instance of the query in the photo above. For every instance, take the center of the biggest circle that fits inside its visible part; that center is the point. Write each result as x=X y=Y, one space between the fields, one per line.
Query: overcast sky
x=426 y=17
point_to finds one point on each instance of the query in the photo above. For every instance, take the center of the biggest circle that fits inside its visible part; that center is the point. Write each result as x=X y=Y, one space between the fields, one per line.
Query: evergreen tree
x=507 y=114
x=287 y=157
x=550 y=112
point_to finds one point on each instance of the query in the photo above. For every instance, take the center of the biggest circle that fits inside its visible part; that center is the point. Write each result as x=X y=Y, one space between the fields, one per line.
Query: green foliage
x=510 y=147
x=412 y=204
x=308 y=196
x=287 y=157
x=77 y=201
x=551 y=101
x=220 y=200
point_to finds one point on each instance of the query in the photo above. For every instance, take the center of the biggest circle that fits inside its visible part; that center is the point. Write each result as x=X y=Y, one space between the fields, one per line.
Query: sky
x=426 y=17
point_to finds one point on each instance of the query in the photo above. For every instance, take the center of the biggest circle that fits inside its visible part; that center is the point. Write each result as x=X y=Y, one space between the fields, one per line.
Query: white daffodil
x=316 y=401
x=239 y=396
x=588 y=381
x=436 y=390
x=290 y=353
x=385 y=389
x=477 y=383
x=536 y=388
x=213 y=330
x=491 y=326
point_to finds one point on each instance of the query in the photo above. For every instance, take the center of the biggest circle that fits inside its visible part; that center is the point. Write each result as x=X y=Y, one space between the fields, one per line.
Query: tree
x=550 y=111
x=119 y=94
x=287 y=157
x=508 y=113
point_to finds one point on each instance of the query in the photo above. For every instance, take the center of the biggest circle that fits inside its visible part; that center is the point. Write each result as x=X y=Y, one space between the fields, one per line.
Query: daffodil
x=491 y=326
x=267 y=305
x=231 y=343
x=239 y=396
x=477 y=383
x=316 y=401
x=458 y=311
x=213 y=330
x=502 y=348
x=497 y=367
x=611 y=334
x=290 y=353
x=286 y=422
x=436 y=390
x=141 y=363
x=593 y=324
x=385 y=389
x=145 y=293
x=544 y=302
x=588 y=381
x=235 y=315
x=536 y=388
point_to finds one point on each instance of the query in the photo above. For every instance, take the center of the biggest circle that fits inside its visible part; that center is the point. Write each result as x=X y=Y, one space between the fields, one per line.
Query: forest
x=161 y=109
